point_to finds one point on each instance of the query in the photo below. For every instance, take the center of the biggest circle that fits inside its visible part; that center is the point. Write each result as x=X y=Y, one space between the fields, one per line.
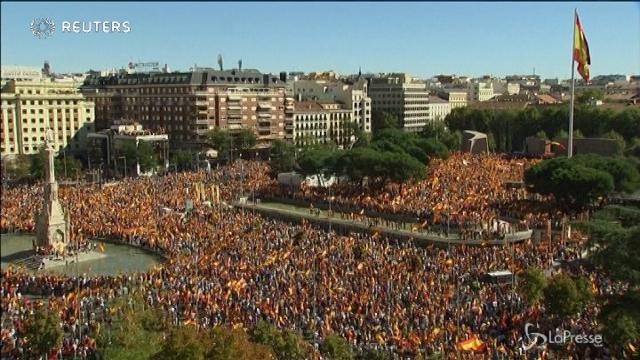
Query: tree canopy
x=569 y=180
x=509 y=128
x=43 y=332
x=614 y=236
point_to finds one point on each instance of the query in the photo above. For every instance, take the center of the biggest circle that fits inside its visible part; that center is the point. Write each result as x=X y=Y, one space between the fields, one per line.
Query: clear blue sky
x=420 y=38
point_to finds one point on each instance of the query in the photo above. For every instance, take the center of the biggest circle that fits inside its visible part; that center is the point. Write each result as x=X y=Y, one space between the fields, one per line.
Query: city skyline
x=422 y=39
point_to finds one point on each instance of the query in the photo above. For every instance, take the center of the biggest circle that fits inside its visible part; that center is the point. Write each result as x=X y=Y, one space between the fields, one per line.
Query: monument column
x=52 y=224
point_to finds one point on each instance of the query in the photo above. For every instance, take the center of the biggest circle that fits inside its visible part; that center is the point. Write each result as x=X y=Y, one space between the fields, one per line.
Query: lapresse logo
x=532 y=339
x=44 y=27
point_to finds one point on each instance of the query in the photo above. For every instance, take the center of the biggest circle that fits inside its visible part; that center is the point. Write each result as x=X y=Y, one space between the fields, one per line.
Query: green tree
x=381 y=120
x=37 y=165
x=588 y=96
x=282 y=157
x=182 y=343
x=286 y=345
x=68 y=164
x=43 y=332
x=532 y=285
x=222 y=141
x=336 y=348
x=626 y=123
x=621 y=143
x=17 y=168
x=625 y=175
x=231 y=344
x=317 y=160
x=571 y=183
x=614 y=237
x=135 y=332
x=182 y=159
x=374 y=354
x=244 y=139
x=146 y=156
x=561 y=296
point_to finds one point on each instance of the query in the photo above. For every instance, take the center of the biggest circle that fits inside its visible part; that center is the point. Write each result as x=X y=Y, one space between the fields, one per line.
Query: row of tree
x=507 y=129
x=562 y=295
x=67 y=166
x=391 y=154
x=136 y=331
x=614 y=240
x=579 y=181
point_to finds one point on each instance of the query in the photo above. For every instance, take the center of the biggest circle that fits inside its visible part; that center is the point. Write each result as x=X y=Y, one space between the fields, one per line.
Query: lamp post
x=124 y=158
x=64 y=155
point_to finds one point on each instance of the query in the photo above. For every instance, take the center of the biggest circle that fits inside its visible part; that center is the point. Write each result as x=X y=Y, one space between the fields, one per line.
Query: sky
x=420 y=38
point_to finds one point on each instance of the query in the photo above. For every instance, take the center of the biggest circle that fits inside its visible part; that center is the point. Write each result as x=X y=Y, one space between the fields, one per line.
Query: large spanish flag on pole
x=581 y=50
x=580 y=54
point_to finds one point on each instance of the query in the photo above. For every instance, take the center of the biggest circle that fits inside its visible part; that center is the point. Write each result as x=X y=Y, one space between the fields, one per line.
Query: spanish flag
x=581 y=50
x=472 y=344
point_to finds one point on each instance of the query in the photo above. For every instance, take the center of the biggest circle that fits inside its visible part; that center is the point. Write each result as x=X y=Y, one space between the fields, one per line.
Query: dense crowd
x=232 y=266
x=462 y=193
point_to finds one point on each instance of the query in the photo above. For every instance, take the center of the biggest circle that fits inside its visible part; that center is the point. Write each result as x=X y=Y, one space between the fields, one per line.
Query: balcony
x=264 y=106
x=202 y=122
x=265 y=115
x=234 y=107
x=233 y=97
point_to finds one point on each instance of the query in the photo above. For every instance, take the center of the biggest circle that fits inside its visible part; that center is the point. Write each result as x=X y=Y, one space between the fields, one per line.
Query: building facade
x=353 y=97
x=320 y=123
x=456 y=98
x=30 y=108
x=401 y=95
x=187 y=105
x=480 y=91
x=438 y=109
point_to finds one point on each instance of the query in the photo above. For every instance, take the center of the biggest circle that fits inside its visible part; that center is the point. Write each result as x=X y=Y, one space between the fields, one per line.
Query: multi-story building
x=187 y=105
x=480 y=91
x=513 y=88
x=403 y=96
x=321 y=122
x=31 y=107
x=353 y=97
x=20 y=73
x=456 y=97
x=438 y=109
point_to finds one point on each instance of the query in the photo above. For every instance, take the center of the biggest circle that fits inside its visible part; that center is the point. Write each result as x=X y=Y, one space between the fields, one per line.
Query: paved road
x=422 y=238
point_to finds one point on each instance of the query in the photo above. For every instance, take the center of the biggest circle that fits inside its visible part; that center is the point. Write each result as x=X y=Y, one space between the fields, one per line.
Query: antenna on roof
x=220 y=61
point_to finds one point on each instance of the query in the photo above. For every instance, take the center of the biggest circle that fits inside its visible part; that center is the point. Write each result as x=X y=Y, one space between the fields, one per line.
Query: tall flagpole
x=573 y=86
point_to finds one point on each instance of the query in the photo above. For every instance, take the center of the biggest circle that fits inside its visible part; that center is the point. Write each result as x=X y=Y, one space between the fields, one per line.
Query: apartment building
x=438 y=109
x=403 y=96
x=187 y=105
x=456 y=97
x=480 y=91
x=321 y=122
x=351 y=96
x=31 y=107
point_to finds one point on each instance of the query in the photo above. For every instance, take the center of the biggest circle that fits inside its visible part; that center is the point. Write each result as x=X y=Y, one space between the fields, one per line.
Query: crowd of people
x=232 y=266
x=464 y=193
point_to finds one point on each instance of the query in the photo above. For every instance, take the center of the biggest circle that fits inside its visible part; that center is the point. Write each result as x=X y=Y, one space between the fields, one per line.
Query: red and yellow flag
x=472 y=344
x=581 y=50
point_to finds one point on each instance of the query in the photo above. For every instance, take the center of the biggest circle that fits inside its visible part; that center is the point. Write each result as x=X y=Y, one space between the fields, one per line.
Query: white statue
x=48 y=143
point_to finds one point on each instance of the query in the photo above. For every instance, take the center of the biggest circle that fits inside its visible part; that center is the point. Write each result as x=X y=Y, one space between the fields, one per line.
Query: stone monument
x=52 y=225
